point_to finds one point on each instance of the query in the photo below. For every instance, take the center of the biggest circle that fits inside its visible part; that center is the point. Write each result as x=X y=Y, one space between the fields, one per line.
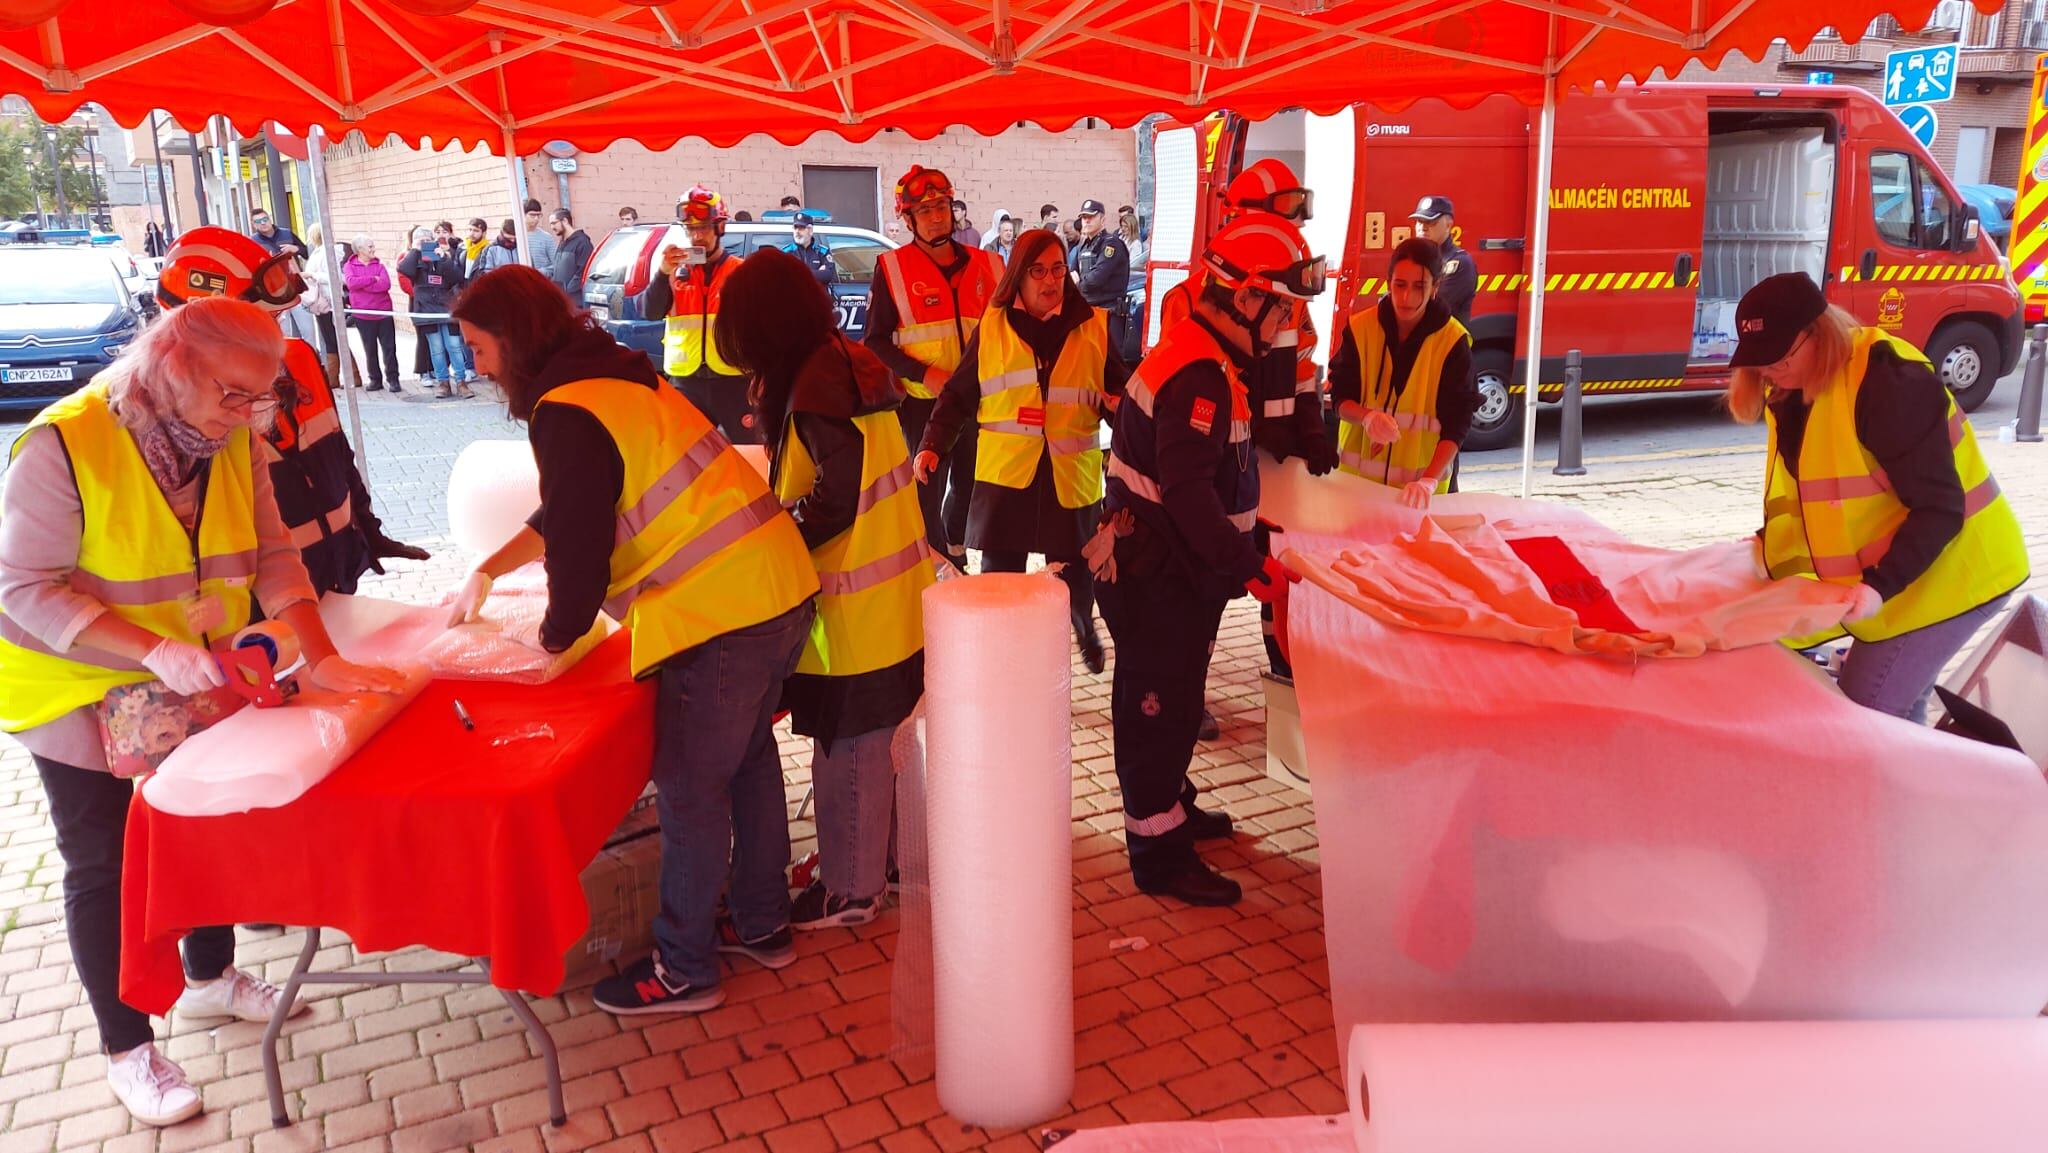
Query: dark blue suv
x=625 y=257
x=64 y=315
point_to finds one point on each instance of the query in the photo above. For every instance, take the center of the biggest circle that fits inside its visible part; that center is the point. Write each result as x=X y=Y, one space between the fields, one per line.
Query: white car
x=141 y=285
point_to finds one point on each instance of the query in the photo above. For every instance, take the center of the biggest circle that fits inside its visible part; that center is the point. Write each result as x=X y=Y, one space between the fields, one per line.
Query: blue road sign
x=1921 y=121
x=1820 y=78
x=1920 y=75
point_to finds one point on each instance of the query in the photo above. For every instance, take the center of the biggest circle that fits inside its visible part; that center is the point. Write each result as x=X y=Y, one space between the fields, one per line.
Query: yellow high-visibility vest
x=871 y=577
x=1837 y=518
x=1020 y=422
x=702 y=547
x=686 y=341
x=135 y=557
x=1407 y=459
x=937 y=315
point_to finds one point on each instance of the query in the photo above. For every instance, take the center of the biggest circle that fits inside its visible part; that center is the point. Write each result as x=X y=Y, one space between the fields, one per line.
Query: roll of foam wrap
x=999 y=800
x=492 y=490
x=1814 y=1087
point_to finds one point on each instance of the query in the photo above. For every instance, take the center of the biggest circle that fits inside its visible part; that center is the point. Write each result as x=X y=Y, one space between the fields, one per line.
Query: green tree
x=26 y=171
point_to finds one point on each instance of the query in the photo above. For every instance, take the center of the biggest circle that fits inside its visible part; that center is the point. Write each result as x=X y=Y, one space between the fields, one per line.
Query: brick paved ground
x=1226 y=1015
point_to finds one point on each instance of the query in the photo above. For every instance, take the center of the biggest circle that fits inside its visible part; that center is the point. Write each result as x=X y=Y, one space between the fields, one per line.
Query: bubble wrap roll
x=493 y=488
x=999 y=800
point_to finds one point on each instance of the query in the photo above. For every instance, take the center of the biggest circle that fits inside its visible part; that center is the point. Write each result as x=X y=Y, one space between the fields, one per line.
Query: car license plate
x=30 y=375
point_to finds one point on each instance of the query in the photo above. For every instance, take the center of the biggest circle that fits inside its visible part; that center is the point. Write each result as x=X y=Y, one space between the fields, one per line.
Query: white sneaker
x=152 y=1086
x=233 y=994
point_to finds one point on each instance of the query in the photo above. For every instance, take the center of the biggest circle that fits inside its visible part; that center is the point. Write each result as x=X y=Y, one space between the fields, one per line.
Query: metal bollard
x=2028 y=426
x=1571 y=445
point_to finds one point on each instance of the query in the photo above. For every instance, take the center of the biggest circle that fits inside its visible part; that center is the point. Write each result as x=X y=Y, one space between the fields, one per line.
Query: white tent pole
x=316 y=157
x=513 y=180
x=1539 y=261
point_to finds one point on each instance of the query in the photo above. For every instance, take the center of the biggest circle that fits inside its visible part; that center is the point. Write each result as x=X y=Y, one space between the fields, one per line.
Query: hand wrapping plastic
x=501 y=639
x=340 y=675
x=184 y=668
x=1417 y=493
x=469 y=600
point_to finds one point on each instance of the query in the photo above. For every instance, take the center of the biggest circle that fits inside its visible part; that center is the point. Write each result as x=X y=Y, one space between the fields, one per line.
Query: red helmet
x=700 y=205
x=1270 y=186
x=216 y=262
x=921 y=185
x=1265 y=252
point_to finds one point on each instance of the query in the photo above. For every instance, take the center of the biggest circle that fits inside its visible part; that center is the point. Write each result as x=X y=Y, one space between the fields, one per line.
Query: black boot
x=1186 y=878
x=1210 y=730
x=1210 y=826
x=1092 y=655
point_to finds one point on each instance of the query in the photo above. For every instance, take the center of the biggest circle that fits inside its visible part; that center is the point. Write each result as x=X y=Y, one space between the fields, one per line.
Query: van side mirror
x=1963 y=237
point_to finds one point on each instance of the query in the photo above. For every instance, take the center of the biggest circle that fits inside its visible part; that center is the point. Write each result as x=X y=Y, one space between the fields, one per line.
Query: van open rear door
x=1627 y=208
x=1192 y=164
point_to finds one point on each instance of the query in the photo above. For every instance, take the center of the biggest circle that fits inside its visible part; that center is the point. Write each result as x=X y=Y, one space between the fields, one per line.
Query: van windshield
x=57 y=276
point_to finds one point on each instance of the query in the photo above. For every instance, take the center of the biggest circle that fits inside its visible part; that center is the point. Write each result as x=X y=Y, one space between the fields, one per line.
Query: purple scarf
x=173 y=450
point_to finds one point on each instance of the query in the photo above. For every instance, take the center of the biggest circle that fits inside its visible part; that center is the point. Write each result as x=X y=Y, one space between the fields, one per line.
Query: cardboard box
x=1286 y=758
x=623 y=888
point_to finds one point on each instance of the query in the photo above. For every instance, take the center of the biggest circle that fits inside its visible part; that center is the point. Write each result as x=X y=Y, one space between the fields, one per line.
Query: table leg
x=272 y=1077
x=558 y=1115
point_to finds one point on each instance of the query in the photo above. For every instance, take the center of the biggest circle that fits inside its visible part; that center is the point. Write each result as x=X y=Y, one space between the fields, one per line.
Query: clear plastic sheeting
x=1246 y=1135
x=264 y=758
x=503 y=643
x=999 y=792
x=1513 y=834
x=1813 y=1087
x=492 y=489
x=910 y=988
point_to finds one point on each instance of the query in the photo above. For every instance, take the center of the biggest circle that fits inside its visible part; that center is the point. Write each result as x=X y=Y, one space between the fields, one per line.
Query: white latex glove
x=344 y=676
x=1416 y=493
x=470 y=601
x=1866 y=606
x=1381 y=428
x=1756 y=559
x=184 y=668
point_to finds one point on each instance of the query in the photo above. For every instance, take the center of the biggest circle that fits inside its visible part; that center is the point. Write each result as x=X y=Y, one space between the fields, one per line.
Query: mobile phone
x=695 y=254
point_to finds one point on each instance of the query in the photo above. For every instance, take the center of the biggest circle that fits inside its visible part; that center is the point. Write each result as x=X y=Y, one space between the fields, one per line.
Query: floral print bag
x=141 y=724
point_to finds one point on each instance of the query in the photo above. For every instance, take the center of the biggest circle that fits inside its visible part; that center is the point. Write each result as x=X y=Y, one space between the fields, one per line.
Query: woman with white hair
x=368 y=284
x=136 y=535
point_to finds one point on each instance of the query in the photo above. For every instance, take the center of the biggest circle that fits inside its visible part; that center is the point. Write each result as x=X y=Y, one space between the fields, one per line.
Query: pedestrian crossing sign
x=1921 y=75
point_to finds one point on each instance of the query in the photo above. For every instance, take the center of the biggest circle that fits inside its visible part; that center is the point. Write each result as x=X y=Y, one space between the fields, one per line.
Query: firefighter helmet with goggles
x=213 y=261
x=1270 y=186
x=1267 y=253
x=922 y=185
x=700 y=205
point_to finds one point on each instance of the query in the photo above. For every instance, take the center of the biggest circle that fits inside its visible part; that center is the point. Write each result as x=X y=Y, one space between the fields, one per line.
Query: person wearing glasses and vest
x=1038 y=378
x=313 y=472
x=1176 y=543
x=1874 y=481
x=686 y=296
x=648 y=513
x=839 y=464
x=926 y=299
x=1402 y=382
x=137 y=533
x=1287 y=413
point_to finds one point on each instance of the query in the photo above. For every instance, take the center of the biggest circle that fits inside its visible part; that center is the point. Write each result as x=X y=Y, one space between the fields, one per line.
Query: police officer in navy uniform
x=1176 y=545
x=1102 y=267
x=806 y=247
x=1436 y=220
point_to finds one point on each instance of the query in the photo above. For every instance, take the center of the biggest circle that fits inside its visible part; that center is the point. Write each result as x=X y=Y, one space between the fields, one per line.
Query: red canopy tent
x=513 y=74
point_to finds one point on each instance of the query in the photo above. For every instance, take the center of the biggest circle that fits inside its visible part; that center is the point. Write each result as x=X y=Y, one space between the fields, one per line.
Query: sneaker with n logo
x=647 y=986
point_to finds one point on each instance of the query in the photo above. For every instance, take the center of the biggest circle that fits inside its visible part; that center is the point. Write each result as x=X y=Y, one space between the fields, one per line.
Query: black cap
x=1091 y=208
x=802 y=220
x=1772 y=315
x=1432 y=207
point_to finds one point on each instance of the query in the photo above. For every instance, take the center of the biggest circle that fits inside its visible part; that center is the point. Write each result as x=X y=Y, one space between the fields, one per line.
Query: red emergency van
x=1667 y=201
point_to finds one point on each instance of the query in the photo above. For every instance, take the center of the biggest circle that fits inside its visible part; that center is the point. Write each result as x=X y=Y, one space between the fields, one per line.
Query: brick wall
x=388 y=190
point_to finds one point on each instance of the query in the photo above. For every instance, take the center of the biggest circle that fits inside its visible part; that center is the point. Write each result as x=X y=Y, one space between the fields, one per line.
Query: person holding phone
x=686 y=294
x=436 y=272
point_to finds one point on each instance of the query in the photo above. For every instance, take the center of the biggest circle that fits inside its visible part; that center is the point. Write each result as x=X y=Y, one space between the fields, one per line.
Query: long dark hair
x=529 y=318
x=772 y=315
x=1421 y=252
x=1023 y=255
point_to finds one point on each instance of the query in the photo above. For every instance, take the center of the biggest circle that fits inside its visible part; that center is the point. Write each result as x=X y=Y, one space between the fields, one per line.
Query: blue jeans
x=1895 y=675
x=720 y=790
x=856 y=780
x=444 y=345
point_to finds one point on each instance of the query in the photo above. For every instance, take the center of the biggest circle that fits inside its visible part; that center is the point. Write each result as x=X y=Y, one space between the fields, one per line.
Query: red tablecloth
x=427 y=836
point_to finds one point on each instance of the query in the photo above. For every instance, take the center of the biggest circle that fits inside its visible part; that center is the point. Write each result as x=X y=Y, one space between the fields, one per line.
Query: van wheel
x=1965 y=356
x=1500 y=411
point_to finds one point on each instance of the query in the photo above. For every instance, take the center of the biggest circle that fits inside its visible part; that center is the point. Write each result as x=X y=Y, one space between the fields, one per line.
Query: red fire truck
x=1667 y=201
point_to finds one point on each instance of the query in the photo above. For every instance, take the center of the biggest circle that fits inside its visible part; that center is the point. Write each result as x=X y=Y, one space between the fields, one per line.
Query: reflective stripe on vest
x=937 y=315
x=700 y=546
x=134 y=556
x=687 y=341
x=872 y=576
x=1413 y=409
x=1185 y=344
x=307 y=535
x=1069 y=409
x=1840 y=516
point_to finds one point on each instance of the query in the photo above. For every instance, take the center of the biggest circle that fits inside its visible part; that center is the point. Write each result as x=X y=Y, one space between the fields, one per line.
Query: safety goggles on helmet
x=700 y=205
x=920 y=185
x=1301 y=280
x=1295 y=204
x=275 y=282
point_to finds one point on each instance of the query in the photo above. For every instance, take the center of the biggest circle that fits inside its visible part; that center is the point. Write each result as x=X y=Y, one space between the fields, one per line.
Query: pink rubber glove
x=1416 y=493
x=1381 y=428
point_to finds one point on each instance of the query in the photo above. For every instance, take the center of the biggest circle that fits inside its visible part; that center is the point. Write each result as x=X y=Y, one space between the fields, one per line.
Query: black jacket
x=1104 y=265
x=570 y=257
x=434 y=282
x=1457 y=394
x=1459 y=283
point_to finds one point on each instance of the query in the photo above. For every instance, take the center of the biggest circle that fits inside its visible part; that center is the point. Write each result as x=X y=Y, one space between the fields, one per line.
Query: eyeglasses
x=1784 y=362
x=1045 y=271
x=235 y=400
